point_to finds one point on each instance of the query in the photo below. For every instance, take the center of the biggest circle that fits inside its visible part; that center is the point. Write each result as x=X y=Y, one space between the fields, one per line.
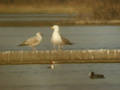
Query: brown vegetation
x=84 y=9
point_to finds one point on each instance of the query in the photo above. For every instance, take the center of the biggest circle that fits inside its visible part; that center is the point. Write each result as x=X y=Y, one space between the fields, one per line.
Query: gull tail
x=22 y=44
x=66 y=41
x=69 y=43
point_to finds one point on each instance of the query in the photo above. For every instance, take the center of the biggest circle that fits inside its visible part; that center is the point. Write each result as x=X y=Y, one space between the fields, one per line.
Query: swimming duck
x=92 y=75
x=52 y=66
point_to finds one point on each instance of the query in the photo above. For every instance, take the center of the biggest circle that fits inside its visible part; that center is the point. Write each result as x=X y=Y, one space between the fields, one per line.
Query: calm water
x=83 y=37
x=63 y=77
x=36 y=17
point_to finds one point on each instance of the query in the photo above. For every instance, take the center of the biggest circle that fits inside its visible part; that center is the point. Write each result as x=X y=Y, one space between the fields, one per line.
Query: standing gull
x=33 y=41
x=57 y=39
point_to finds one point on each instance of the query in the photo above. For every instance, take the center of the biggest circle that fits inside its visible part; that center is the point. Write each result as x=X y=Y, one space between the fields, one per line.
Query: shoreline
x=60 y=22
x=60 y=57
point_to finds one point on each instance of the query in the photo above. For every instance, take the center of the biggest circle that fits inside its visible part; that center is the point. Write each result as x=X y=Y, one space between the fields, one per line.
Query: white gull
x=57 y=39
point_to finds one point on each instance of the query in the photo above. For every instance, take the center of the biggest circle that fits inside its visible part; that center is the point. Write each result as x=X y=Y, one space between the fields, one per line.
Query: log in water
x=65 y=56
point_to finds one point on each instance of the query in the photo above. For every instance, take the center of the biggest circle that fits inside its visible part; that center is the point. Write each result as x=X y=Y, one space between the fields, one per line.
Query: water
x=63 y=77
x=36 y=17
x=83 y=37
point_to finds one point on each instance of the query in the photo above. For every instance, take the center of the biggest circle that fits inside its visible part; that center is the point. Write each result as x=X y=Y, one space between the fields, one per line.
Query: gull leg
x=33 y=48
x=54 y=48
x=60 y=48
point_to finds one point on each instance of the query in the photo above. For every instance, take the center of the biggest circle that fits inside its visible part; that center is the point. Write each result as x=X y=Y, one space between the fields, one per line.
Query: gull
x=57 y=39
x=33 y=41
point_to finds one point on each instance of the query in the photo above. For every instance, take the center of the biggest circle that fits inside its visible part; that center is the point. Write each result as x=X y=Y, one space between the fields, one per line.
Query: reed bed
x=65 y=56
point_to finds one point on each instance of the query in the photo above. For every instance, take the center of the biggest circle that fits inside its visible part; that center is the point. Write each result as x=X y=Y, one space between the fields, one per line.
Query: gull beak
x=41 y=34
x=52 y=28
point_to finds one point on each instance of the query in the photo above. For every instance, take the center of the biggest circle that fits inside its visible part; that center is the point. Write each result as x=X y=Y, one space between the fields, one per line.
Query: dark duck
x=92 y=75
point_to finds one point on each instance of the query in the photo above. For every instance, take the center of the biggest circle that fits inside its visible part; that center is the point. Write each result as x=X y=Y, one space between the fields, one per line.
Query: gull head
x=55 y=27
x=91 y=74
x=39 y=34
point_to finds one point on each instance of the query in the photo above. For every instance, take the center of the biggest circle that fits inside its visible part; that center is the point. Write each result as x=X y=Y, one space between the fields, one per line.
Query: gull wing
x=66 y=41
x=30 y=42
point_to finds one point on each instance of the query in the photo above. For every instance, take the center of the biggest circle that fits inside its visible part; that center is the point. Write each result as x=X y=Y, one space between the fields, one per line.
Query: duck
x=52 y=65
x=92 y=75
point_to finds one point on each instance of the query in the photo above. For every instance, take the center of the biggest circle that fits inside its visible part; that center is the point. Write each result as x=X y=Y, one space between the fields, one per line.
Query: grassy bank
x=67 y=56
x=31 y=10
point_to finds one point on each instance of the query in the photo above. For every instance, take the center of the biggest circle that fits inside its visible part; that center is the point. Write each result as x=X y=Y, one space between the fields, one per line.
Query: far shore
x=81 y=15
x=64 y=23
